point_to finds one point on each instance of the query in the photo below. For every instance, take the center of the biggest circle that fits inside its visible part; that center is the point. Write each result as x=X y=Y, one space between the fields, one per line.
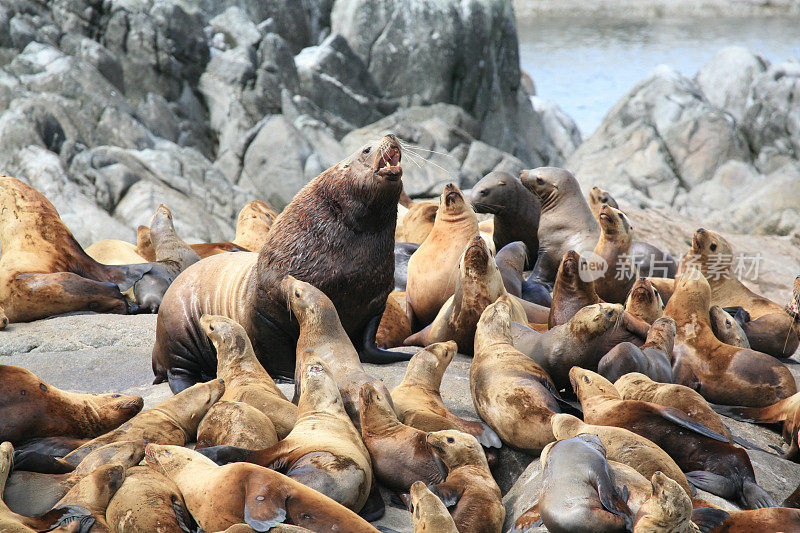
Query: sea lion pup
x=428 y=512
x=469 y=492
x=322 y=334
x=32 y=409
x=173 y=421
x=623 y=446
x=566 y=222
x=722 y=373
x=653 y=359
x=255 y=220
x=514 y=395
x=516 y=211
x=726 y=328
x=644 y=302
x=709 y=460
x=347 y=253
x=432 y=270
x=768 y=519
x=669 y=510
x=614 y=248
x=771 y=329
x=245 y=379
x=148 y=501
x=94 y=492
x=418 y=221
x=324 y=451
x=395 y=326
x=402 y=255
x=400 y=453
x=220 y=496
x=418 y=402
x=478 y=284
x=636 y=386
x=236 y=424
x=114 y=252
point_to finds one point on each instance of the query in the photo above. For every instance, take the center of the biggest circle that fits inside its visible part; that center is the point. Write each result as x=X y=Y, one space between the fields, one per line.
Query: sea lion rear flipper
x=185 y=520
x=261 y=510
x=530 y=518
x=683 y=420
x=738 y=313
x=225 y=454
x=568 y=408
x=755 y=497
x=370 y=353
x=32 y=461
x=707 y=518
x=419 y=338
x=62 y=516
x=485 y=435
x=374 y=508
x=744 y=443
x=743 y=414
x=713 y=483
x=447 y=493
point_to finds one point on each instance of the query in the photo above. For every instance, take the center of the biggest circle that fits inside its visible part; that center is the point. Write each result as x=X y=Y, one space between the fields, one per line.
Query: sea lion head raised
x=569 y=273
x=308 y=303
x=706 y=242
x=476 y=259
x=229 y=338
x=548 y=183
x=374 y=169
x=598 y=197
x=643 y=293
x=428 y=365
x=615 y=224
x=317 y=386
x=692 y=295
x=451 y=201
x=588 y=384
x=456 y=448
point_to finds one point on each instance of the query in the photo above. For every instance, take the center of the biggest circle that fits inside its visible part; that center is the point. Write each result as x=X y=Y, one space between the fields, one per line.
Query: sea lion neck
x=492 y=330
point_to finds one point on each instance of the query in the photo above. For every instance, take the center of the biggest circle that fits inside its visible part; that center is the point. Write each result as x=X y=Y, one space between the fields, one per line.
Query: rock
x=482 y=159
x=236 y=28
x=156 y=115
x=562 y=130
x=725 y=80
x=523 y=495
x=96 y=55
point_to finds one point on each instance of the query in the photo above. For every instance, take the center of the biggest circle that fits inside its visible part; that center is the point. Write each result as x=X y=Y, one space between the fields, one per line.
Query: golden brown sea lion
x=255 y=220
x=144 y=244
x=669 y=510
x=114 y=252
x=395 y=326
x=236 y=424
x=94 y=492
x=614 y=248
x=418 y=221
x=428 y=512
x=757 y=520
x=644 y=302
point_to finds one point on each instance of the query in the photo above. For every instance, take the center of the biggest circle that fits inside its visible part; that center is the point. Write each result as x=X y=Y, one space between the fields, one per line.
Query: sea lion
x=469 y=492
x=636 y=386
x=726 y=328
x=245 y=379
x=669 y=510
x=511 y=393
x=395 y=326
x=572 y=291
x=432 y=270
x=31 y=409
x=147 y=500
x=653 y=359
x=419 y=404
x=478 y=284
x=324 y=451
x=346 y=253
x=619 y=272
x=710 y=461
x=173 y=421
x=644 y=302
x=144 y=244
x=94 y=492
x=428 y=512
x=516 y=211
x=400 y=453
x=771 y=329
x=322 y=335
x=512 y=261
x=255 y=220
x=220 y=496
x=402 y=255
x=579 y=492
x=566 y=222
x=236 y=424
x=114 y=252
x=418 y=221
x=623 y=446
x=769 y=519
x=722 y=373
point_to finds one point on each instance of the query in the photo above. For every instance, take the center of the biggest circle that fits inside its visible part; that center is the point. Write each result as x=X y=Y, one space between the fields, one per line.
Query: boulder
x=725 y=80
x=559 y=127
x=236 y=28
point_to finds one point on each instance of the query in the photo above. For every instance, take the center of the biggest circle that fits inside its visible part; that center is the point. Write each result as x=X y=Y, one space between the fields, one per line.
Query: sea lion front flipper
x=707 y=518
x=184 y=518
x=62 y=516
x=568 y=408
x=370 y=353
x=530 y=518
x=713 y=483
x=419 y=338
x=374 y=508
x=682 y=419
x=755 y=497
x=613 y=501
x=447 y=493
x=261 y=512
x=225 y=454
x=32 y=461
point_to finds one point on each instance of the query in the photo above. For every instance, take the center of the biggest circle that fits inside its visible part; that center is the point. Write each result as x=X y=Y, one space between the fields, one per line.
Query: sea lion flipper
x=185 y=520
x=683 y=420
x=530 y=518
x=744 y=414
x=62 y=516
x=744 y=443
x=374 y=508
x=707 y=518
x=713 y=483
x=370 y=353
x=264 y=514
x=32 y=461
x=568 y=408
x=449 y=494
x=755 y=497
x=612 y=500
x=419 y=338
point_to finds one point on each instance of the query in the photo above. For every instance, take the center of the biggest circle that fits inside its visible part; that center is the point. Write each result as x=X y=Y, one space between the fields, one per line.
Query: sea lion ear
x=262 y=511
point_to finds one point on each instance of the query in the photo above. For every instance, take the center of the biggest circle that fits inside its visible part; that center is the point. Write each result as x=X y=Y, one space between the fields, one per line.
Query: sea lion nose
x=643 y=279
x=392 y=136
x=701 y=230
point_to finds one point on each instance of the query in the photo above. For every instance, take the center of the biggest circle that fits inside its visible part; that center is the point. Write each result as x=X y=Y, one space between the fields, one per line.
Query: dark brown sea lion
x=512 y=262
x=31 y=409
x=771 y=329
x=614 y=249
x=572 y=291
x=644 y=302
x=337 y=234
x=722 y=373
x=469 y=492
x=428 y=512
x=400 y=453
x=221 y=496
x=710 y=461
x=516 y=211
x=653 y=359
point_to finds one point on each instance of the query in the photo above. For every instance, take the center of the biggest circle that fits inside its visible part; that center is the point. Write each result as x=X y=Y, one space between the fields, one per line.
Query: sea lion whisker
x=433 y=163
x=408 y=146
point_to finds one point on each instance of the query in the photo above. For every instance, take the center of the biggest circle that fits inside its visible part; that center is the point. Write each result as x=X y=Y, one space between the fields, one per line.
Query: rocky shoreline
x=628 y=9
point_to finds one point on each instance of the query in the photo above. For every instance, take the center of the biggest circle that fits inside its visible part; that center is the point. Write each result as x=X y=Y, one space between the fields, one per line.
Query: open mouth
x=605 y=217
x=641 y=289
x=452 y=197
x=389 y=164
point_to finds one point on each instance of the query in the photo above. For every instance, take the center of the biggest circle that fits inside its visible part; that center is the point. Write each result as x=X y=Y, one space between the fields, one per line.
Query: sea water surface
x=587 y=64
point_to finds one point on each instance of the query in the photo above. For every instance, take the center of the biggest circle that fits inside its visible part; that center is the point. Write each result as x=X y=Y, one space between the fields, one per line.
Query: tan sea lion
x=726 y=328
x=469 y=492
x=771 y=329
x=114 y=252
x=428 y=512
x=433 y=269
x=653 y=359
x=511 y=393
x=221 y=496
x=347 y=253
x=245 y=379
x=144 y=244
x=236 y=424
x=669 y=510
x=644 y=302
x=636 y=386
x=664 y=286
x=419 y=404
x=710 y=461
x=94 y=492
x=721 y=373
x=173 y=421
x=255 y=220
x=324 y=451
x=400 y=453
x=769 y=519
x=478 y=284
x=566 y=222
x=614 y=248
x=395 y=326
x=31 y=409
x=418 y=221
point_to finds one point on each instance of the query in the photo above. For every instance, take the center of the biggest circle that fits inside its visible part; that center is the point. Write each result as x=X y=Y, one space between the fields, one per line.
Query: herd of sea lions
x=610 y=361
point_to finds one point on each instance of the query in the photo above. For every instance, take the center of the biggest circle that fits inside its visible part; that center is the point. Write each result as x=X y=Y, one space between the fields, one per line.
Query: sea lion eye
x=586 y=379
x=484 y=192
x=366 y=150
x=297 y=293
x=540 y=181
x=450 y=440
x=116 y=395
x=713 y=246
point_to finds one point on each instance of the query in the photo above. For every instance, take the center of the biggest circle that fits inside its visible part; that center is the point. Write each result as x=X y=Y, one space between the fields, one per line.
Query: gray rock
x=725 y=80
x=562 y=130
x=156 y=115
x=96 y=55
x=236 y=28
x=482 y=159
x=21 y=31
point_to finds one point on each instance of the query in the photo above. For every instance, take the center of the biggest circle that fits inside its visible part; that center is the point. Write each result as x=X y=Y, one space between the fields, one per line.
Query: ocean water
x=587 y=64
